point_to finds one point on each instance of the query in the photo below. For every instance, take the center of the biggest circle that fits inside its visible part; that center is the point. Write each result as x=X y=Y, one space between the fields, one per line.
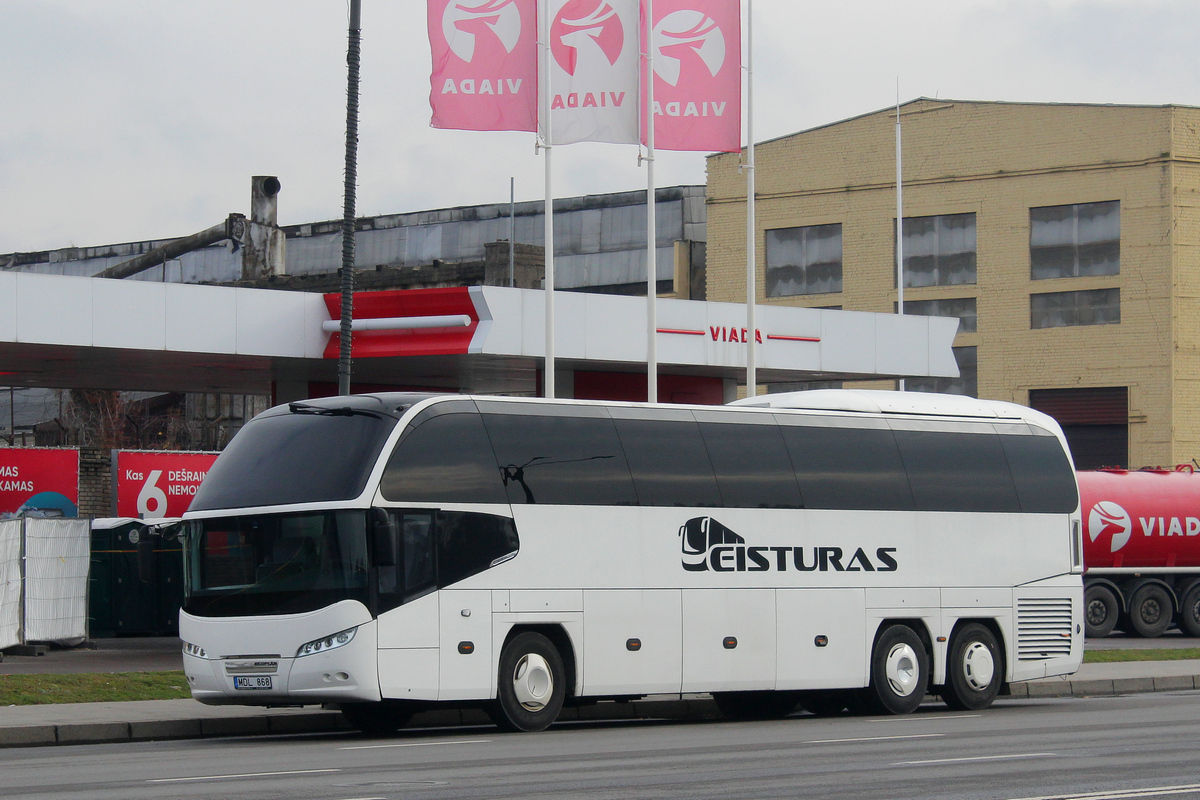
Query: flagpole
x=751 y=246
x=548 y=283
x=899 y=222
x=353 y=63
x=651 y=220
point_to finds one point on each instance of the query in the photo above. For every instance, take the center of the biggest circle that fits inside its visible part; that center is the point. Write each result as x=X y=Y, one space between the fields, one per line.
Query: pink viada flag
x=697 y=75
x=594 y=71
x=484 y=64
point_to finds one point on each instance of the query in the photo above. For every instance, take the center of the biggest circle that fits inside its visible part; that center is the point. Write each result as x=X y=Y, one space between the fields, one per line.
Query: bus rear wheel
x=532 y=684
x=378 y=719
x=974 y=670
x=756 y=705
x=899 y=671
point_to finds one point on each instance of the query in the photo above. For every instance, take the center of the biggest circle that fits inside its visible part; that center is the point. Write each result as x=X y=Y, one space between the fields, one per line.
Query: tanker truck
x=1141 y=550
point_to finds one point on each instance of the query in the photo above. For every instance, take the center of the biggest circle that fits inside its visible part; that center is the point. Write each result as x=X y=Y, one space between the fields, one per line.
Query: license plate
x=252 y=682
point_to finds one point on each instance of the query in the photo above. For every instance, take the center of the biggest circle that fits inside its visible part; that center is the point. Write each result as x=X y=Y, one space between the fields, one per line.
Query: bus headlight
x=194 y=650
x=328 y=643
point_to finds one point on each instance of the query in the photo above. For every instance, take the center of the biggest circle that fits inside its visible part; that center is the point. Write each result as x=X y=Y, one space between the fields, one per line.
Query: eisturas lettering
x=708 y=545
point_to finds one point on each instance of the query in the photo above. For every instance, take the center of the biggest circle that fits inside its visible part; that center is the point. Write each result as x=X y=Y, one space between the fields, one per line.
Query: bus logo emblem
x=700 y=535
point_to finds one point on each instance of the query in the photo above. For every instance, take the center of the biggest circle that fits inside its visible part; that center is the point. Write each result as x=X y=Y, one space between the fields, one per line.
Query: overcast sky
x=141 y=119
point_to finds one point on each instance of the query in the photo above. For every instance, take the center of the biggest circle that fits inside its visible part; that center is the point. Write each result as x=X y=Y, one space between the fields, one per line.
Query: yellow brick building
x=1064 y=237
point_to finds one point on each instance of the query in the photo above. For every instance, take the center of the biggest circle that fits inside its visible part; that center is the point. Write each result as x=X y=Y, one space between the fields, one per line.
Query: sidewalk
x=80 y=723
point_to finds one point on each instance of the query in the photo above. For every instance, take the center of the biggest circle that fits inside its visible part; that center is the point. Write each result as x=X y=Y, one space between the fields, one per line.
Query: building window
x=1061 y=309
x=939 y=251
x=804 y=260
x=966 y=384
x=961 y=307
x=1075 y=241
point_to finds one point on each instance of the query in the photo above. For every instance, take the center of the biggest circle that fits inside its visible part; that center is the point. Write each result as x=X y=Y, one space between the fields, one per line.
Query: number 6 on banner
x=152 y=501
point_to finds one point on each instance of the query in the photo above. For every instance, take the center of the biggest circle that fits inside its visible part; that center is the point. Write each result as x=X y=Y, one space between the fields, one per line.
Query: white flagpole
x=548 y=284
x=899 y=222
x=651 y=220
x=751 y=290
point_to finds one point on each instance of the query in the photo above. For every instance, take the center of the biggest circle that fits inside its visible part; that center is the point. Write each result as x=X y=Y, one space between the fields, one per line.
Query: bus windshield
x=297 y=454
x=275 y=563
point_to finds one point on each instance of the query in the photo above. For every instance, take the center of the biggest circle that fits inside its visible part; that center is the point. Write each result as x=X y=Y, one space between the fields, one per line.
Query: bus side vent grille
x=1043 y=628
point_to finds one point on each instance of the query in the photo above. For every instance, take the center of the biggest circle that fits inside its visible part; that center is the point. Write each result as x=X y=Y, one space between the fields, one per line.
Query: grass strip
x=25 y=690
x=1112 y=656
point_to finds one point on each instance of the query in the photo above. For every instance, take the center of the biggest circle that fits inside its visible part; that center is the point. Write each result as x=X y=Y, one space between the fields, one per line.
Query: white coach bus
x=828 y=549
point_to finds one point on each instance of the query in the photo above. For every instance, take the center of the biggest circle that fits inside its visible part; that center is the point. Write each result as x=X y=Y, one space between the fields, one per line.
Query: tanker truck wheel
x=1189 y=611
x=1150 y=611
x=1100 y=611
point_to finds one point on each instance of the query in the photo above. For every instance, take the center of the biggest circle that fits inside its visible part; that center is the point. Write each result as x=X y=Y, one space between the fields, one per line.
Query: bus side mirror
x=383 y=536
x=145 y=558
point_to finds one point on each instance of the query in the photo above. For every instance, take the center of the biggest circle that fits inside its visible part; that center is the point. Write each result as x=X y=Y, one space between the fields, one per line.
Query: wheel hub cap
x=978 y=666
x=901 y=670
x=533 y=682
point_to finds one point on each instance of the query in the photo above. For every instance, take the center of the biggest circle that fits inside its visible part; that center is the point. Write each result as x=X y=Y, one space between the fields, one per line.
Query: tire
x=1150 y=611
x=1100 y=611
x=1188 y=616
x=899 y=672
x=378 y=719
x=756 y=705
x=827 y=702
x=532 y=684
x=975 y=669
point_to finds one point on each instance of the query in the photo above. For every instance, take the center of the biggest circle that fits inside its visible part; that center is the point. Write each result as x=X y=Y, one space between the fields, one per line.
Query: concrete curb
x=1052 y=687
x=686 y=709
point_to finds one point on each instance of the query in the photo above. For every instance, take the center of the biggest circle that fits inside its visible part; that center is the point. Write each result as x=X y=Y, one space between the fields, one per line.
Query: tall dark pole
x=347 y=270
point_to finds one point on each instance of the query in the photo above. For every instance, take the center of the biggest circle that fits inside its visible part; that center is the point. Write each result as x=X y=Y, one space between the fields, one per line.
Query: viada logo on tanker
x=1111 y=519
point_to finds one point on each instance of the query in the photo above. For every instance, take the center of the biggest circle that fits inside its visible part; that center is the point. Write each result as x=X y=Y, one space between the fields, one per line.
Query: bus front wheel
x=378 y=719
x=974 y=670
x=532 y=684
x=899 y=671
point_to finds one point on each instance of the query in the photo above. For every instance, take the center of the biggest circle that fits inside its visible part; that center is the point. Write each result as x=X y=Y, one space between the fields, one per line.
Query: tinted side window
x=468 y=543
x=444 y=459
x=957 y=471
x=752 y=465
x=560 y=460
x=669 y=463
x=848 y=468
x=1042 y=474
x=416 y=573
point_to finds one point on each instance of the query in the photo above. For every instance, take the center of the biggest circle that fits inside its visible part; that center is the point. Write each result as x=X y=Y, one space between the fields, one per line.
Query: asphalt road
x=1138 y=746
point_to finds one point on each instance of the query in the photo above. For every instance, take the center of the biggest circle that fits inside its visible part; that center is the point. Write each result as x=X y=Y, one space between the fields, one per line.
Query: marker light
x=328 y=643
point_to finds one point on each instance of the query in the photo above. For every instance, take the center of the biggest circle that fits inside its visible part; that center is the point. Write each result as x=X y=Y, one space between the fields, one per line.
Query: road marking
x=973 y=758
x=924 y=718
x=875 y=738
x=243 y=775
x=415 y=744
x=1121 y=794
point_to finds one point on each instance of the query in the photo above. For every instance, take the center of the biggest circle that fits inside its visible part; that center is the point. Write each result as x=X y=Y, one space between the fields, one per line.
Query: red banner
x=39 y=480
x=158 y=484
x=484 y=64
x=697 y=75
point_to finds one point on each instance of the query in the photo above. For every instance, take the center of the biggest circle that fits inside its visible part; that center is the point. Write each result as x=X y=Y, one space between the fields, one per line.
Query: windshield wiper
x=344 y=411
